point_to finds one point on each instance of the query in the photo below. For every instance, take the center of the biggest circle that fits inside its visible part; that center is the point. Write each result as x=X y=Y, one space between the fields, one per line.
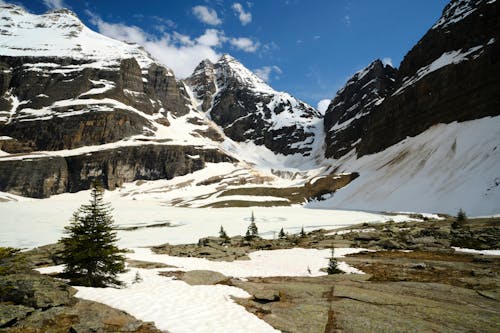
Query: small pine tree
x=332 y=264
x=137 y=278
x=282 y=234
x=459 y=220
x=223 y=235
x=89 y=252
x=302 y=233
x=252 y=230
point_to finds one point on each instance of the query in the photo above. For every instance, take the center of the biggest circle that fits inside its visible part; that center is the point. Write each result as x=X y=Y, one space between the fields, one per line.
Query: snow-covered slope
x=447 y=167
x=61 y=34
x=249 y=110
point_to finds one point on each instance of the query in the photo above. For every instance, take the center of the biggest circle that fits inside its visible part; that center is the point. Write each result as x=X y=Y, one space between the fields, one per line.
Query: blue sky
x=306 y=47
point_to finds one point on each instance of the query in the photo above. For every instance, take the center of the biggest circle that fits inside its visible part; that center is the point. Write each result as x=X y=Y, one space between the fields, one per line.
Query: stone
x=10 y=313
x=35 y=290
x=266 y=296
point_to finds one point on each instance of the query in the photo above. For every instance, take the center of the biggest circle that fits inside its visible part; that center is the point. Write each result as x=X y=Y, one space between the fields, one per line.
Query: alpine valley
x=375 y=180
x=76 y=105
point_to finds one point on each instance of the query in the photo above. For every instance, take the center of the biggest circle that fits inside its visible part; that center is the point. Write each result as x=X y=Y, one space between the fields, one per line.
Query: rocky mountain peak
x=248 y=109
x=202 y=83
x=232 y=73
x=344 y=117
x=457 y=10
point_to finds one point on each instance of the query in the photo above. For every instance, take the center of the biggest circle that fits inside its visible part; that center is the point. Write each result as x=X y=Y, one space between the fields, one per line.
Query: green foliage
x=8 y=260
x=459 y=220
x=333 y=265
x=223 y=235
x=252 y=230
x=282 y=234
x=89 y=252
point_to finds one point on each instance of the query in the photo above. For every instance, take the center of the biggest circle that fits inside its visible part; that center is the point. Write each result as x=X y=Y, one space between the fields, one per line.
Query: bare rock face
x=451 y=74
x=203 y=82
x=345 y=118
x=43 y=176
x=248 y=109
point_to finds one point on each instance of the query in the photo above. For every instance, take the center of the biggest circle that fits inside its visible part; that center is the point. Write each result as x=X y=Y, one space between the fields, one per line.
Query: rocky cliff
x=345 y=118
x=248 y=109
x=59 y=81
x=451 y=74
x=65 y=87
x=42 y=176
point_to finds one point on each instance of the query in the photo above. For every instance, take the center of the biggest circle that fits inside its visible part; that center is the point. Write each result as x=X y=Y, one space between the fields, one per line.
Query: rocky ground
x=415 y=281
x=34 y=303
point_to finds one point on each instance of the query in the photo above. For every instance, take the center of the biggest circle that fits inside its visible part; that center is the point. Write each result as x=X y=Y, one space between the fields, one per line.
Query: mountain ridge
x=71 y=119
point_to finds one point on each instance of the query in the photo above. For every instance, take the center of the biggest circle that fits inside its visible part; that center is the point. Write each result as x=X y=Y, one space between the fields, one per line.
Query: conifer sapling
x=332 y=264
x=282 y=234
x=89 y=252
x=223 y=235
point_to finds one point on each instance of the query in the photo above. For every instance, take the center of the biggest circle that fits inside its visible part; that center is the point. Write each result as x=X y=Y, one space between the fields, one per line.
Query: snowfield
x=178 y=307
x=28 y=223
x=443 y=169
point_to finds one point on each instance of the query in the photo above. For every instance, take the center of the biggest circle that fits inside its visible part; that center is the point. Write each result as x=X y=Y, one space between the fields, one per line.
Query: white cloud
x=323 y=105
x=54 y=4
x=179 y=52
x=317 y=37
x=206 y=15
x=265 y=72
x=347 y=20
x=244 y=44
x=387 y=61
x=244 y=17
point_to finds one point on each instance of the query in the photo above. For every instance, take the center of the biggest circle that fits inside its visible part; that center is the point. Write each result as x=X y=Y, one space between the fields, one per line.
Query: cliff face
x=42 y=176
x=345 y=118
x=451 y=74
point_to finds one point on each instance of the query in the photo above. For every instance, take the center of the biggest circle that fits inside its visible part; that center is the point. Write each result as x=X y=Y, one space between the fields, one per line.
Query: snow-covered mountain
x=75 y=106
x=79 y=105
x=427 y=138
x=247 y=109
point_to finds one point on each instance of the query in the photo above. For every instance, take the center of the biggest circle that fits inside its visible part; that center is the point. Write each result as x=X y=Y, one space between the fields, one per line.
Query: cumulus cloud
x=244 y=44
x=387 y=61
x=179 y=52
x=323 y=105
x=243 y=16
x=206 y=15
x=265 y=72
x=54 y=4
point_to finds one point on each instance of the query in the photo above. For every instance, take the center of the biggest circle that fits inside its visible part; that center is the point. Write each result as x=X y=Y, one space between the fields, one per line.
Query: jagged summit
x=344 y=118
x=457 y=10
x=249 y=110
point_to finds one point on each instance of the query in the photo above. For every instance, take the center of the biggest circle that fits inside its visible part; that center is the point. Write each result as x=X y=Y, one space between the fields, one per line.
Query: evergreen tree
x=137 y=278
x=252 y=228
x=459 y=220
x=333 y=265
x=282 y=234
x=302 y=232
x=223 y=235
x=89 y=252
